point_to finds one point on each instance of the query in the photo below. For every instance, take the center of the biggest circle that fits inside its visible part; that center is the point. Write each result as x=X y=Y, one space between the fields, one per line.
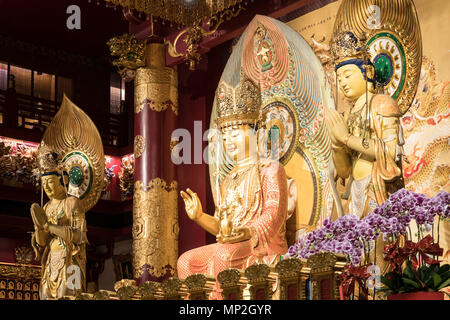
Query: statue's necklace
x=54 y=210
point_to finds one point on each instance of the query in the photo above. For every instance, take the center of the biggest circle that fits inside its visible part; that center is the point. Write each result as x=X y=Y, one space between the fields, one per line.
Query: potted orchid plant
x=392 y=220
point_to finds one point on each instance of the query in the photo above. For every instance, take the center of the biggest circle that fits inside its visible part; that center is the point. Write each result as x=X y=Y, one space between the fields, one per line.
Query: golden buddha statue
x=251 y=208
x=367 y=141
x=71 y=167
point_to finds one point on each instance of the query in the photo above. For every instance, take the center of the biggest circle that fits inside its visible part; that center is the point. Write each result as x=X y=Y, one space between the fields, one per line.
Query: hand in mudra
x=38 y=215
x=336 y=127
x=192 y=204
x=240 y=235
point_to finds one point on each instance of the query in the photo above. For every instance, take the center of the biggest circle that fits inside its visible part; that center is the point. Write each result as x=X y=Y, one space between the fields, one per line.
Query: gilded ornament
x=130 y=53
x=257 y=273
x=125 y=288
x=155 y=227
x=289 y=268
x=156 y=88
x=179 y=12
x=101 y=295
x=148 y=290
x=229 y=278
x=139 y=146
x=171 y=288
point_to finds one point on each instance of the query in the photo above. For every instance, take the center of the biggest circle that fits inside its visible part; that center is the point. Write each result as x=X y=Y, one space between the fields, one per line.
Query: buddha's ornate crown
x=238 y=105
x=48 y=160
x=345 y=45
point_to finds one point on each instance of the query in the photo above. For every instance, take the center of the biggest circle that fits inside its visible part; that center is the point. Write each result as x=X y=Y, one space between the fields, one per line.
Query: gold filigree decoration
x=322 y=260
x=289 y=268
x=240 y=104
x=257 y=273
x=229 y=277
x=156 y=88
x=130 y=53
x=22 y=271
x=171 y=288
x=101 y=295
x=195 y=35
x=155 y=227
x=180 y=12
x=139 y=146
x=148 y=290
x=126 y=177
x=125 y=288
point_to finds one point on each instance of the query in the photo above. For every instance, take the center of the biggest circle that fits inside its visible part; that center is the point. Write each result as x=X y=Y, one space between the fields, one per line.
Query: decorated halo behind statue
x=74 y=138
x=392 y=40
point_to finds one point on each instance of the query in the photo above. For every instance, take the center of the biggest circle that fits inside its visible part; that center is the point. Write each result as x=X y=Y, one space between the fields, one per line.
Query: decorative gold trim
x=155 y=228
x=139 y=146
x=156 y=88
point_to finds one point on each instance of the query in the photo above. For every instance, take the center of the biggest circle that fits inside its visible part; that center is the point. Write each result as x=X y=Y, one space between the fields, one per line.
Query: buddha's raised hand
x=192 y=204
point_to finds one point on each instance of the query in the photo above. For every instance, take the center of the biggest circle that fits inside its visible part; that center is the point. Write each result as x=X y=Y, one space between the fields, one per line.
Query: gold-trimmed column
x=155 y=211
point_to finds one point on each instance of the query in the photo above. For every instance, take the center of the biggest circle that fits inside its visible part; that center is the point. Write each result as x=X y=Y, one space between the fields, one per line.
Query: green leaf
x=408 y=272
x=436 y=279
x=444 y=284
x=444 y=268
x=445 y=275
x=410 y=282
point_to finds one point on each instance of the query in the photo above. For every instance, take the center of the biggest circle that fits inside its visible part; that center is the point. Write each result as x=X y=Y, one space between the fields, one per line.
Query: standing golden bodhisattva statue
x=71 y=167
x=367 y=141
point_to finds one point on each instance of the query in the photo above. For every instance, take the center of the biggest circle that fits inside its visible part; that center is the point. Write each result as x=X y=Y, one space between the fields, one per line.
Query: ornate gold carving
x=85 y=296
x=180 y=12
x=155 y=227
x=258 y=278
x=23 y=271
x=195 y=34
x=172 y=289
x=23 y=255
x=290 y=273
x=101 y=295
x=157 y=88
x=139 y=146
x=322 y=261
x=325 y=266
x=130 y=52
x=232 y=282
x=126 y=177
x=289 y=268
x=125 y=288
x=199 y=286
x=257 y=273
x=148 y=290
x=229 y=277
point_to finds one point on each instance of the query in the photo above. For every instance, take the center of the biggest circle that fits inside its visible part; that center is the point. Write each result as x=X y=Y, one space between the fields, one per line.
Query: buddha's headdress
x=49 y=163
x=239 y=105
x=346 y=49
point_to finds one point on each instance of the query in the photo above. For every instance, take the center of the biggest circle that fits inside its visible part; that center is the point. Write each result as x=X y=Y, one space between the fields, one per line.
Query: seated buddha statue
x=250 y=216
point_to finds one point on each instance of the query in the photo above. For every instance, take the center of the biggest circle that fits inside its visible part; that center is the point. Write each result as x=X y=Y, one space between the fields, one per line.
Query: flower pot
x=419 y=295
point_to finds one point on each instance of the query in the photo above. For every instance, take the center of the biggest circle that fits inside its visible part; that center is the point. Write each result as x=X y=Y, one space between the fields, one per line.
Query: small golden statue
x=251 y=206
x=71 y=166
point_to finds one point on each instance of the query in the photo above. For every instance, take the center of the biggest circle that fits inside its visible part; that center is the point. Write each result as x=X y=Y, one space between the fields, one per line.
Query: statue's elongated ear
x=370 y=71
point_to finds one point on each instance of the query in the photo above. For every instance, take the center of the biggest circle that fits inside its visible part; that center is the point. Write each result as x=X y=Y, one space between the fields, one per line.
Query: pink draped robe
x=264 y=211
